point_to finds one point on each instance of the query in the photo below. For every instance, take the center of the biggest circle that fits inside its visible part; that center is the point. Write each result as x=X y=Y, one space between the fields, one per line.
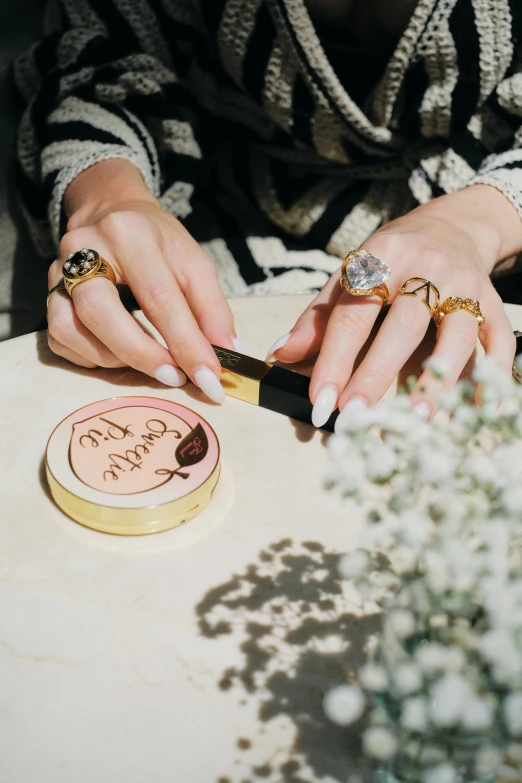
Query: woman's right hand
x=173 y=280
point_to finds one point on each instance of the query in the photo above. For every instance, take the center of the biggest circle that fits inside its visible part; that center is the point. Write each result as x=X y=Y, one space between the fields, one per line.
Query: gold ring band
x=53 y=290
x=455 y=303
x=363 y=275
x=425 y=285
x=85 y=265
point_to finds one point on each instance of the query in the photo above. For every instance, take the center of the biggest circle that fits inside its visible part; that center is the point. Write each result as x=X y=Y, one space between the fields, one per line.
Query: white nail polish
x=169 y=375
x=209 y=384
x=352 y=409
x=276 y=346
x=238 y=345
x=324 y=405
x=422 y=410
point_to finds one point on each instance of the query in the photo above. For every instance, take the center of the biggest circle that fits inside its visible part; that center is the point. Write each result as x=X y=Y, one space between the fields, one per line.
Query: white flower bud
x=407 y=679
x=454 y=659
x=450 y=399
x=434 y=467
x=403 y=559
x=402 y=622
x=381 y=464
x=431 y=657
x=438 y=575
x=338 y=446
x=487 y=370
x=438 y=367
x=442 y=773
x=512 y=500
x=476 y=714
x=344 y=705
x=354 y=564
x=414 y=715
x=483 y=470
x=379 y=743
x=513 y=713
x=448 y=696
x=373 y=677
x=488 y=761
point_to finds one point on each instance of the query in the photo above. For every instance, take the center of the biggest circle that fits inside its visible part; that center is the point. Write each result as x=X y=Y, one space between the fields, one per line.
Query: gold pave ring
x=455 y=303
x=85 y=265
x=363 y=275
x=53 y=290
x=427 y=287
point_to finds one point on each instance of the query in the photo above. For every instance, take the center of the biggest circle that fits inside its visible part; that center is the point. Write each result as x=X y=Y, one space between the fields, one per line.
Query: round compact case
x=133 y=465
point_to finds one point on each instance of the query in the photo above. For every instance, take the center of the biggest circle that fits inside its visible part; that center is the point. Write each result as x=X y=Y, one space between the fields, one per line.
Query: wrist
x=103 y=188
x=486 y=216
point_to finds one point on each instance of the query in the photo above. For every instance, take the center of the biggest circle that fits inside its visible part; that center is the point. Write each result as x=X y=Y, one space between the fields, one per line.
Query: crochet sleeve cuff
x=113 y=133
x=503 y=172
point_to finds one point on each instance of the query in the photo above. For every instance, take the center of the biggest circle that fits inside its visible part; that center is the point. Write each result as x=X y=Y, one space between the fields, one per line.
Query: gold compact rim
x=138 y=520
x=133 y=521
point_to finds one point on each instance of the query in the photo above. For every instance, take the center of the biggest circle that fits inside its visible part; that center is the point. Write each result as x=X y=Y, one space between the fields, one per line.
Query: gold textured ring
x=53 y=290
x=363 y=275
x=85 y=265
x=429 y=289
x=455 y=303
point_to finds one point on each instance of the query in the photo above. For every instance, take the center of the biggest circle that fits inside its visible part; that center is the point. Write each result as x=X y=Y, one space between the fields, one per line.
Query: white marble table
x=172 y=658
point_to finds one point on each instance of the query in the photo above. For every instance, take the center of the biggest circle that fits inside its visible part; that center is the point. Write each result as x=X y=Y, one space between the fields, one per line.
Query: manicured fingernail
x=324 y=405
x=353 y=407
x=276 y=346
x=169 y=375
x=238 y=345
x=422 y=410
x=209 y=384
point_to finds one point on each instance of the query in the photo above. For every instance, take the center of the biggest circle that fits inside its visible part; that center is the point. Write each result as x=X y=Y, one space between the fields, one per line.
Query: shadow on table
x=300 y=637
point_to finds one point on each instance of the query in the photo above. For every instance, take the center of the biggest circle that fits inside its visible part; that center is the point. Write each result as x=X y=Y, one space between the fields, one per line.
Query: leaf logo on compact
x=134 y=449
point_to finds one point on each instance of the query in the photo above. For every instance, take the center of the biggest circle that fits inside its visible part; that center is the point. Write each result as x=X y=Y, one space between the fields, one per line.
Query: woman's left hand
x=454 y=242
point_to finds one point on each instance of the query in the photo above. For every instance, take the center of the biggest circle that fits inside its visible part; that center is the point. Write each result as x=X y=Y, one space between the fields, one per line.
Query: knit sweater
x=240 y=126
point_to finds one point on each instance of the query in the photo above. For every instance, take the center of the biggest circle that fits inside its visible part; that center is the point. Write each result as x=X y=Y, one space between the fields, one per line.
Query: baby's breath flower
x=414 y=715
x=379 y=743
x=487 y=370
x=512 y=500
x=476 y=714
x=402 y=622
x=354 y=564
x=434 y=468
x=488 y=760
x=513 y=713
x=442 y=773
x=454 y=659
x=450 y=399
x=483 y=470
x=431 y=657
x=403 y=559
x=373 y=677
x=344 y=704
x=407 y=679
x=438 y=367
x=443 y=560
x=449 y=696
x=382 y=464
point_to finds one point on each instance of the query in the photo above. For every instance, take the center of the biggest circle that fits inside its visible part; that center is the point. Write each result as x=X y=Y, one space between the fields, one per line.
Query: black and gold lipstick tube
x=275 y=388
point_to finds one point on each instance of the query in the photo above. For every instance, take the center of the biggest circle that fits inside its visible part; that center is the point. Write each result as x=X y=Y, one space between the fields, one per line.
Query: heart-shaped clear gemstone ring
x=364 y=275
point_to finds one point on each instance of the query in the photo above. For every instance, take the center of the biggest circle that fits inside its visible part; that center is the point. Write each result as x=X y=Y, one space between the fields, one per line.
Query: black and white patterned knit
x=239 y=124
